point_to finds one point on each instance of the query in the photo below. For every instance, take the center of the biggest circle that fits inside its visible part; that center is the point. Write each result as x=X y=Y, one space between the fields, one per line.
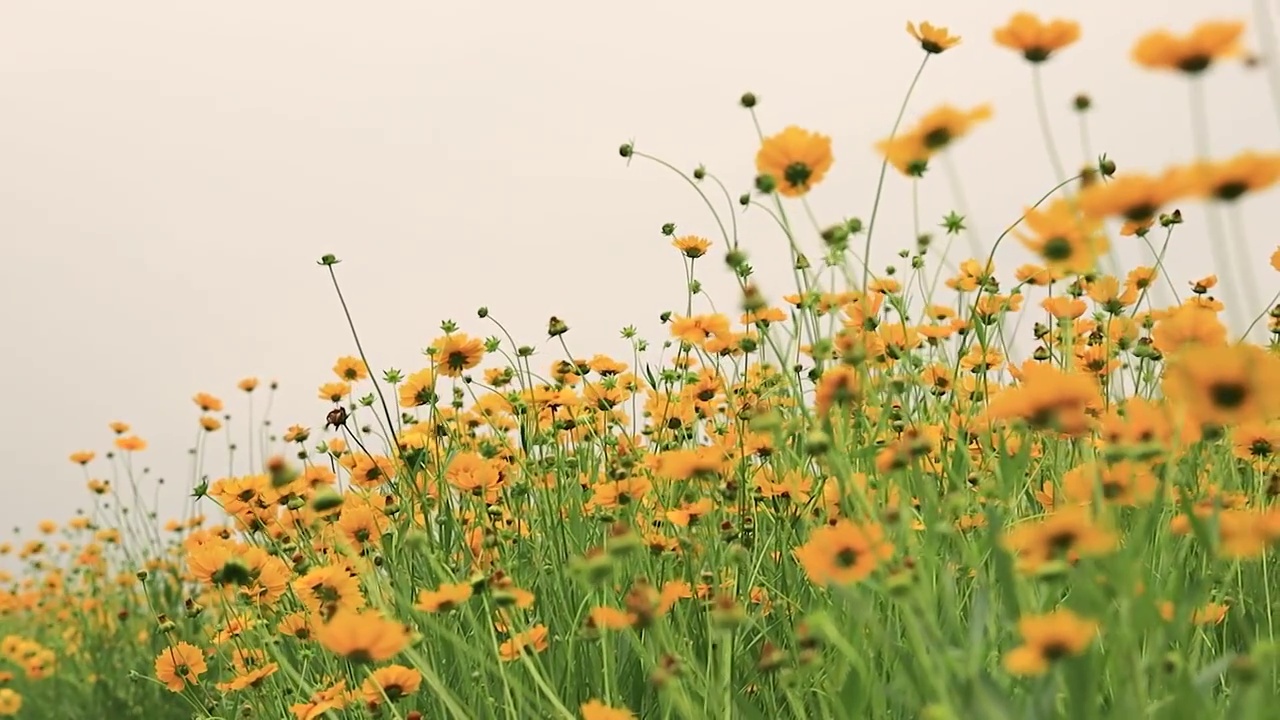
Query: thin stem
x=884 y=165
x=391 y=425
x=1267 y=41
x=1217 y=235
x=1046 y=130
x=957 y=189
x=1241 y=248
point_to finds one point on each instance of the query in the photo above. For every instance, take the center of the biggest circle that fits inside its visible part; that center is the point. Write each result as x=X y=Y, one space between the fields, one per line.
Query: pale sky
x=172 y=171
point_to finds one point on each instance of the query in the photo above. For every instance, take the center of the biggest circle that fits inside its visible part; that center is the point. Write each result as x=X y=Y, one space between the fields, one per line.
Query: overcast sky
x=171 y=171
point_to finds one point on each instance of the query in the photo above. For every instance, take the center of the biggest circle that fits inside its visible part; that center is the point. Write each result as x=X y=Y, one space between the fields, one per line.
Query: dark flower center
x=1230 y=190
x=1057 y=249
x=1140 y=212
x=1194 y=63
x=937 y=138
x=797 y=175
x=847 y=558
x=1228 y=395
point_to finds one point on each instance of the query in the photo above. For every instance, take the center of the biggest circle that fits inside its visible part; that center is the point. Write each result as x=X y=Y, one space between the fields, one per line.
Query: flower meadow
x=946 y=488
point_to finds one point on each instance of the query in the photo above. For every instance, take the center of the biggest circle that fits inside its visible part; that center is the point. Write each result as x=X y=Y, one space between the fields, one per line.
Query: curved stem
x=884 y=165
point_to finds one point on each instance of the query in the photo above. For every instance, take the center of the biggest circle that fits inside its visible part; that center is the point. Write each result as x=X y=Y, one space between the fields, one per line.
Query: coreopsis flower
x=1066 y=240
x=932 y=39
x=843 y=553
x=180 y=665
x=1193 y=52
x=597 y=710
x=1049 y=637
x=457 y=352
x=350 y=369
x=1035 y=39
x=1225 y=384
x=390 y=683
x=796 y=160
x=363 y=637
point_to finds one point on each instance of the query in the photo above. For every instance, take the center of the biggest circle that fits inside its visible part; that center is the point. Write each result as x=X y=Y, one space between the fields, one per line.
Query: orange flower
x=843 y=553
x=596 y=710
x=533 y=640
x=83 y=457
x=363 y=637
x=392 y=683
x=1191 y=53
x=179 y=666
x=131 y=443
x=795 y=159
x=933 y=39
x=1036 y=40
x=1046 y=638
x=350 y=369
x=457 y=352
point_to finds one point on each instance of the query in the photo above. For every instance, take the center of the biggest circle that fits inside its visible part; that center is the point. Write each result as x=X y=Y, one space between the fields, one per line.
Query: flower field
x=948 y=488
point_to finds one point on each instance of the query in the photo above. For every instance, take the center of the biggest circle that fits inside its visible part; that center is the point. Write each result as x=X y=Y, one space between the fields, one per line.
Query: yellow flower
x=692 y=246
x=933 y=39
x=180 y=665
x=392 y=682
x=1065 y=240
x=457 y=352
x=83 y=457
x=843 y=553
x=596 y=710
x=1035 y=39
x=444 y=598
x=350 y=369
x=795 y=159
x=1225 y=384
x=363 y=637
x=10 y=701
x=131 y=443
x=1048 y=637
x=1191 y=53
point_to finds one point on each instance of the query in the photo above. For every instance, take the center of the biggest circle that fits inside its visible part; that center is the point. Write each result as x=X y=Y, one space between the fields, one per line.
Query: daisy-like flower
x=1049 y=637
x=932 y=39
x=1035 y=39
x=1193 y=52
x=363 y=637
x=180 y=665
x=843 y=553
x=795 y=160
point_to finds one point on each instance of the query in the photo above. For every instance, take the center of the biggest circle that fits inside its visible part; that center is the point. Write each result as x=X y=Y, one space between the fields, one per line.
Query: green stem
x=884 y=165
